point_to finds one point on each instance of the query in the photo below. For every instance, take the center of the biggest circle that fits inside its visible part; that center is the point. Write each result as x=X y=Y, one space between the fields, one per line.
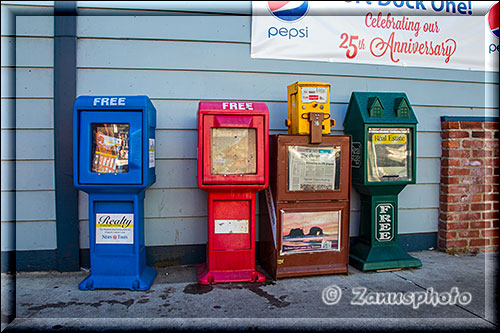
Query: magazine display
x=388 y=154
x=110 y=148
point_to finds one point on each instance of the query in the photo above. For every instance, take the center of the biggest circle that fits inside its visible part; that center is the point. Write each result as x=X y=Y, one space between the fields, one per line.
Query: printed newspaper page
x=311 y=168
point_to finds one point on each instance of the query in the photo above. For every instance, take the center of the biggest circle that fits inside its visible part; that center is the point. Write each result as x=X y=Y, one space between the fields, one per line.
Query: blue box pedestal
x=120 y=265
x=137 y=282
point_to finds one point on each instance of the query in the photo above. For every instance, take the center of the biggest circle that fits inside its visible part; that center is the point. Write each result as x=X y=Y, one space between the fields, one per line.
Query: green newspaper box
x=383 y=129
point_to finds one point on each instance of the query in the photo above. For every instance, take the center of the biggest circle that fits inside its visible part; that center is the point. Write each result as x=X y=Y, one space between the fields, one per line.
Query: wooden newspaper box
x=304 y=221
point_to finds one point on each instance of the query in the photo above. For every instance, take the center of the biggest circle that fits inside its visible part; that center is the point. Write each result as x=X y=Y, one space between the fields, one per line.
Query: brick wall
x=468 y=219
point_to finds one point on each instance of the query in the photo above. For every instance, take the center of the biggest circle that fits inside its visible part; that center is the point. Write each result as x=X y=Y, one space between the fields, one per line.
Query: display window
x=233 y=151
x=110 y=148
x=310 y=231
x=313 y=168
x=389 y=154
x=314 y=94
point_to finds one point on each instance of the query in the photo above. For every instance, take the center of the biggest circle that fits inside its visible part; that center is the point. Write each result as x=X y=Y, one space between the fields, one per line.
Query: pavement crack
x=457 y=305
x=408 y=280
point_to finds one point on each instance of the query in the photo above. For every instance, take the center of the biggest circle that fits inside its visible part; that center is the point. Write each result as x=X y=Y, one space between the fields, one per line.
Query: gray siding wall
x=178 y=60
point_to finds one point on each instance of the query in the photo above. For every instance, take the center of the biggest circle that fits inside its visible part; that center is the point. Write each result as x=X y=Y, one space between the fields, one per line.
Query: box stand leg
x=366 y=258
x=205 y=276
x=138 y=282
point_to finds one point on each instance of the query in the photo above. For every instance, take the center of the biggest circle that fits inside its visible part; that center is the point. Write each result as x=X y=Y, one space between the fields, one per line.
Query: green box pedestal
x=377 y=247
x=366 y=258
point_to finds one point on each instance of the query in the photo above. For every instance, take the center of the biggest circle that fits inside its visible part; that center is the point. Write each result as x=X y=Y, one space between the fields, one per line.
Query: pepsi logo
x=288 y=11
x=493 y=19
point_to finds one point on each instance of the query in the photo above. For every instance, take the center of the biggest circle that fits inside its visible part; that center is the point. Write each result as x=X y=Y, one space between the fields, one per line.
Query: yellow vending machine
x=309 y=109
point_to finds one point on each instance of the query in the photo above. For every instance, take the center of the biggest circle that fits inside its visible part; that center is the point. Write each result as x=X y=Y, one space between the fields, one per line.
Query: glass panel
x=313 y=168
x=389 y=154
x=314 y=94
x=310 y=231
x=233 y=151
x=110 y=148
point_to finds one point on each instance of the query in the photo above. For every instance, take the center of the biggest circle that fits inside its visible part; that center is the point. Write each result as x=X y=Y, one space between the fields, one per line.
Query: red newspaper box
x=233 y=164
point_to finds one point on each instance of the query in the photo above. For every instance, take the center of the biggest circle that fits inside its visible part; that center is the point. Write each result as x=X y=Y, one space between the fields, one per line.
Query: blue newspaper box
x=114 y=162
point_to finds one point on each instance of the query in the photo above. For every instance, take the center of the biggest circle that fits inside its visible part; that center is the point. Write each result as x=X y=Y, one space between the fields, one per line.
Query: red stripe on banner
x=273 y=5
x=493 y=17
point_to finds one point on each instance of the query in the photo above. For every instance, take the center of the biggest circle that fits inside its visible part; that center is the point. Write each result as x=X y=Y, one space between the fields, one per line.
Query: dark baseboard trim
x=418 y=242
x=29 y=261
x=413 y=242
x=162 y=256
x=469 y=118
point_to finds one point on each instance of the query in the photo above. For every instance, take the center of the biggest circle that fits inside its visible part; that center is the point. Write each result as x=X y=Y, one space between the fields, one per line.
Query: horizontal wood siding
x=27 y=166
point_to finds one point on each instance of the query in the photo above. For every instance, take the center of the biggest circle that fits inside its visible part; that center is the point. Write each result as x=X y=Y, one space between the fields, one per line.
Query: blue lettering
x=290 y=33
x=269 y=33
x=421 y=4
x=450 y=4
x=433 y=4
x=462 y=8
x=494 y=48
x=401 y=4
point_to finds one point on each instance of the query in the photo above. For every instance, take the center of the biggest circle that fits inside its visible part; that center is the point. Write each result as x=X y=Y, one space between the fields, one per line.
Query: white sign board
x=437 y=34
x=231 y=226
x=114 y=229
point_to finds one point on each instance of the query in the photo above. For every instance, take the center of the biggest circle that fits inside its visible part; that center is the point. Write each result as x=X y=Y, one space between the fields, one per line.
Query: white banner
x=438 y=34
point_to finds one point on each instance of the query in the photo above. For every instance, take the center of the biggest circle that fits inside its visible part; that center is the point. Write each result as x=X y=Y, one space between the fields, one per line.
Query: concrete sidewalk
x=448 y=292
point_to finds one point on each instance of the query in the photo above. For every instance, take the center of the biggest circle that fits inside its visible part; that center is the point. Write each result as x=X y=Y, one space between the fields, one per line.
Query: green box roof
x=379 y=108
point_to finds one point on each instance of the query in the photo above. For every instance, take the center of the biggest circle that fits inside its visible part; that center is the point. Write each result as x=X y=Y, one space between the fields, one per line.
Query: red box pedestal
x=231 y=239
